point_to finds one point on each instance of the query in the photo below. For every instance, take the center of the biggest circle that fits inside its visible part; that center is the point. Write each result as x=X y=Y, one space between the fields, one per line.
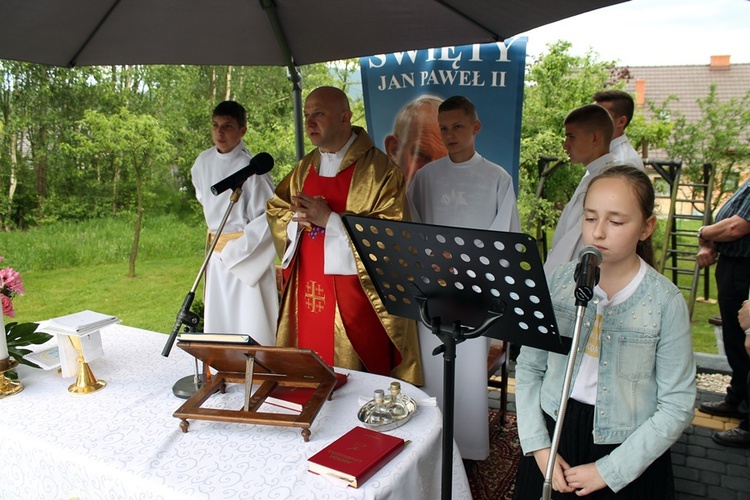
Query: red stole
x=318 y=293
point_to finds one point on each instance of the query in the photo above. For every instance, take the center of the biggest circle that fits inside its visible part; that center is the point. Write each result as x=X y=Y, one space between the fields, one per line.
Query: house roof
x=688 y=83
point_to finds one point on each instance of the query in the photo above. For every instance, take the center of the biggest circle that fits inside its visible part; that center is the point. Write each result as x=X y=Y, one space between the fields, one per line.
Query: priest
x=328 y=301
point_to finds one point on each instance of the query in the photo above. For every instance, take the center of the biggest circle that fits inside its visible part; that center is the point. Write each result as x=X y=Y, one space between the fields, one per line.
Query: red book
x=295 y=398
x=356 y=456
x=292 y=398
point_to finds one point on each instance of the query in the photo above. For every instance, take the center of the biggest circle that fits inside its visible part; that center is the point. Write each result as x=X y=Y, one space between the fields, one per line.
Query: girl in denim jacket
x=633 y=386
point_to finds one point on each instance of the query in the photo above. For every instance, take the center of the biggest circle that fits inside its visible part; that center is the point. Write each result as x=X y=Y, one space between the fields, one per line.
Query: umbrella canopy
x=258 y=32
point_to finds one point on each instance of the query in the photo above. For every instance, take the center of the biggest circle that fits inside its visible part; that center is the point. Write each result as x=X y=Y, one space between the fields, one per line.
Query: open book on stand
x=233 y=338
x=356 y=456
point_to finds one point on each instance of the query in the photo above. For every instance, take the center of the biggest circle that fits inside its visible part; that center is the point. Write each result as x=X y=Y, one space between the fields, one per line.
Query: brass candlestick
x=8 y=387
x=86 y=382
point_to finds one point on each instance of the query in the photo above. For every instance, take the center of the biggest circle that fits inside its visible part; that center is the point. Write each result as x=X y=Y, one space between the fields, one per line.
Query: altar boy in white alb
x=588 y=132
x=465 y=190
x=240 y=281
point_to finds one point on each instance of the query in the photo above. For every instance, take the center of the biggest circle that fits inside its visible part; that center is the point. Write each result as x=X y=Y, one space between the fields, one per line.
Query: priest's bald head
x=328 y=119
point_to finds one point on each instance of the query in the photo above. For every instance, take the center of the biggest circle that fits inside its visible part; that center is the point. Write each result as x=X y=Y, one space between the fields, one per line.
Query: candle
x=3 y=340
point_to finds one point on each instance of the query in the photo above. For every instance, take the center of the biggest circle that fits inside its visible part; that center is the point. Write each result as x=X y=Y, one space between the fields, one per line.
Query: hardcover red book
x=356 y=456
x=295 y=398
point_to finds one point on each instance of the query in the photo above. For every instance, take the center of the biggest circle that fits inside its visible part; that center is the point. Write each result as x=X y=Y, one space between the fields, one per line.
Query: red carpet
x=494 y=478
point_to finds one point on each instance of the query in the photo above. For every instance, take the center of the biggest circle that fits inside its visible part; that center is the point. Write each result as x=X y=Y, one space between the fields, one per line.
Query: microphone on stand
x=587 y=274
x=259 y=165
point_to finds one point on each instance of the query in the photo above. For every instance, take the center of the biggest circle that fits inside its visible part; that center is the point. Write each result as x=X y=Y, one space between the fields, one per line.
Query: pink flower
x=10 y=282
x=7 y=306
x=10 y=286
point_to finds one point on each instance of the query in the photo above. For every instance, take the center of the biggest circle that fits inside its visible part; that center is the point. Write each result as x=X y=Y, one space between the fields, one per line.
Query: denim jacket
x=646 y=386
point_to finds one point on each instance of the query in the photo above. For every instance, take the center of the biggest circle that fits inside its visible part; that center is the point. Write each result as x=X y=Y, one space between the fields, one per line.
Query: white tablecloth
x=123 y=442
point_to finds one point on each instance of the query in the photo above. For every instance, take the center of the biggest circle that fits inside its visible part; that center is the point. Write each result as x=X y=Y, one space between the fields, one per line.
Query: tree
x=555 y=85
x=54 y=164
x=719 y=137
x=126 y=143
x=40 y=106
x=651 y=133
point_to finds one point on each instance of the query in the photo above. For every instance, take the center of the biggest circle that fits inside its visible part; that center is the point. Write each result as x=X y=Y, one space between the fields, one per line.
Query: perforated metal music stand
x=460 y=283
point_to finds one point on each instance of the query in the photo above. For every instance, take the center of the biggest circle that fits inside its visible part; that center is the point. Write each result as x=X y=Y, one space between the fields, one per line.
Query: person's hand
x=706 y=255
x=559 y=483
x=744 y=315
x=584 y=479
x=747 y=344
x=310 y=210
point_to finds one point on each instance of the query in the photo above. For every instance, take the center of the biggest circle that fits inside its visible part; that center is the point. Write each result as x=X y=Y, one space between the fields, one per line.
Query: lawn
x=151 y=300
x=69 y=267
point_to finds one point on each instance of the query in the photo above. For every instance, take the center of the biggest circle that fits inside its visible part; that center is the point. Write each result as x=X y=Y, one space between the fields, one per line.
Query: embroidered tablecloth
x=123 y=442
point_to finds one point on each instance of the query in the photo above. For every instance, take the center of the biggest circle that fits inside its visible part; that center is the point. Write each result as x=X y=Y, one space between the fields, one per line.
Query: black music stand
x=460 y=283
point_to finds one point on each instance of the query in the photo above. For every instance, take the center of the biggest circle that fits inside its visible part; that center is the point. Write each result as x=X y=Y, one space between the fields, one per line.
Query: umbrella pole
x=299 y=130
x=292 y=72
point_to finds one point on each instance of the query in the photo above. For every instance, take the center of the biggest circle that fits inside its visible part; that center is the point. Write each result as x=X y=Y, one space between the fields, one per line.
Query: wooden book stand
x=267 y=367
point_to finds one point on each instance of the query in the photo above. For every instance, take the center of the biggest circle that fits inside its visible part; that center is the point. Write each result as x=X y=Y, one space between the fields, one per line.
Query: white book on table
x=85 y=325
x=78 y=324
x=45 y=356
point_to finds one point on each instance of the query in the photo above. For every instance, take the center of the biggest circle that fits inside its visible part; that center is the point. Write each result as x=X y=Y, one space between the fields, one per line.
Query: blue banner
x=414 y=82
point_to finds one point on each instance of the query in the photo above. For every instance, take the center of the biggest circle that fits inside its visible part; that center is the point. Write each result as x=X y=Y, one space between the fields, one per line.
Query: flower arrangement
x=10 y=286
x=14 y=336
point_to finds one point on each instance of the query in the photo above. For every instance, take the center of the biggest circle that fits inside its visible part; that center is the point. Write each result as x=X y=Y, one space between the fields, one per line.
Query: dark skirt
x=577 y=448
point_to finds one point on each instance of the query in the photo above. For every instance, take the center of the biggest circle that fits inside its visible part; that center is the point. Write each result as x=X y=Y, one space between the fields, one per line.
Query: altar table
x=123 y=442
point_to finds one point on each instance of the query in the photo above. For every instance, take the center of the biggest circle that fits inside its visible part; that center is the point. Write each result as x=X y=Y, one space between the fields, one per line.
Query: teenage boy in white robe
x=588 y=132
x=465 y=190
x=240 y=282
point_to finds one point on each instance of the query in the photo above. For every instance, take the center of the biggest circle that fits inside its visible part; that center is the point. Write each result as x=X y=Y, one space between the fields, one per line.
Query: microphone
x=587 y=274
x=259 y=165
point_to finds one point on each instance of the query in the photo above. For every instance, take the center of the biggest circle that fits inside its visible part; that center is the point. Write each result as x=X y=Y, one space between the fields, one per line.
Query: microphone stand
x=583 y=295
x=451 y=336
x=189 y=385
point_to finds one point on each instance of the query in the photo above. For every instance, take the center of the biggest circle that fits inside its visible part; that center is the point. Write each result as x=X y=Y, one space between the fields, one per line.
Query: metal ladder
x=680 y=244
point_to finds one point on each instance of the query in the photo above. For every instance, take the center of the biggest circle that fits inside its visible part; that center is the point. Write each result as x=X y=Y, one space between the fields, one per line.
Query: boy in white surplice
x=462 y=189
x=240 y=282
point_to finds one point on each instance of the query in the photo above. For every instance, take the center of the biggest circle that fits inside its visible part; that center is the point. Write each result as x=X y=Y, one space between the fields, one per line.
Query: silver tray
x=411 y=410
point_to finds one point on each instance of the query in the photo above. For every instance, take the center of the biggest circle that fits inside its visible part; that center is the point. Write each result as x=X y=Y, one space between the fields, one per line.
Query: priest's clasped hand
x=310 y=210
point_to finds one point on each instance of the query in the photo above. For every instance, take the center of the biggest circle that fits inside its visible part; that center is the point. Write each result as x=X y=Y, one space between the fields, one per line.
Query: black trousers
x=577 y=447
x=733 y=283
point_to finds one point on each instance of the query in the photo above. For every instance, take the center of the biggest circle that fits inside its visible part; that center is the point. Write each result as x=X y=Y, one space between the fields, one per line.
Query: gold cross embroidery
x=315 y=300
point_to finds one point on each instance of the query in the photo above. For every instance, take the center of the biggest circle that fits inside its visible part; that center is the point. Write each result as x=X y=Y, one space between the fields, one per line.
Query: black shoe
x=720 y=409
x=736 y=438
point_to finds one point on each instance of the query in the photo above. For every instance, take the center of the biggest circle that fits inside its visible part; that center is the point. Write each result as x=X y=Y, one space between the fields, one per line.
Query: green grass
x=66 y=245
x=151 y=300
x=69 y=267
